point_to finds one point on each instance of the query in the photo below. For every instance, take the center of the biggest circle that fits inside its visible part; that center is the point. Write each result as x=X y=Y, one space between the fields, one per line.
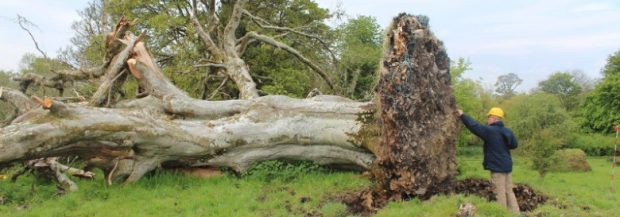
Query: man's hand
x=460 y=112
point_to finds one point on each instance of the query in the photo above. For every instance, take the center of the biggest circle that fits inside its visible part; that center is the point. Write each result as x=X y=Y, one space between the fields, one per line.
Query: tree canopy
x=601 y=110
x=562 y=85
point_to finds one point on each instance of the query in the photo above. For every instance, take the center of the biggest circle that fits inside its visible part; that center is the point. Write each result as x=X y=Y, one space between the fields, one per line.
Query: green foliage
x=442 y=206
x=174 y=43
x=269 y=171
x=276 y=71
x=506 y=84
x=562 y=85
x=571 y=193
x=601 y=110
x=594 y=144
x=359 y=46
x=469 y=150
x=613 y=65
x=541 y=125
x=528 y=115
x=166 y=193
x=540 y=148
x=567 y=160
x=470 y=96
x=458 y=69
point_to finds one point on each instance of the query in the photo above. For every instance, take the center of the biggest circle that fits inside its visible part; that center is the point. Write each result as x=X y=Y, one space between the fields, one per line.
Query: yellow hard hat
x=496 y=111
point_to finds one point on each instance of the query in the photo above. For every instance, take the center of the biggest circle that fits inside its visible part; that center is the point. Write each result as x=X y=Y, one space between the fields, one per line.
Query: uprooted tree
x=405 y=136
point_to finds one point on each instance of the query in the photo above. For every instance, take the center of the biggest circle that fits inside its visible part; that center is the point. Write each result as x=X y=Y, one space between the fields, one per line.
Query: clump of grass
x=268 y=189
x=282 y=189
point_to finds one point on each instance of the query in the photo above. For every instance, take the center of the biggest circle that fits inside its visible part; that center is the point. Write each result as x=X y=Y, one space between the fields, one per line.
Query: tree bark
x=410 y=127
x=271 y=127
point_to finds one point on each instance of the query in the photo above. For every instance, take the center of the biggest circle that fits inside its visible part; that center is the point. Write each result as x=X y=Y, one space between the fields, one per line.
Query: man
x=498 y=140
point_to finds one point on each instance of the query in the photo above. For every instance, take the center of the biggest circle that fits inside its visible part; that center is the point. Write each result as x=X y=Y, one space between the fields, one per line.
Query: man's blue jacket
x=498 y=141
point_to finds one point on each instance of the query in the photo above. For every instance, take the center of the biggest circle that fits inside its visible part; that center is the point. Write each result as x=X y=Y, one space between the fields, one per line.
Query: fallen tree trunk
x=410 y=128
x=272 y=127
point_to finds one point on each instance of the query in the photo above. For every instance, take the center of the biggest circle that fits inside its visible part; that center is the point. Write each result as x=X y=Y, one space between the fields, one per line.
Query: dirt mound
x=367 y=202
x=527 y=197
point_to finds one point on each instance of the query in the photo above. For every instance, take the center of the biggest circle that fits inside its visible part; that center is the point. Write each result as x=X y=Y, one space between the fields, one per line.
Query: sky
x=531 y=38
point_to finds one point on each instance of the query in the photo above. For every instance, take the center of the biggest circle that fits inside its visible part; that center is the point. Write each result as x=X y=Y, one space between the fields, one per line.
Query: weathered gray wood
x=319 y=129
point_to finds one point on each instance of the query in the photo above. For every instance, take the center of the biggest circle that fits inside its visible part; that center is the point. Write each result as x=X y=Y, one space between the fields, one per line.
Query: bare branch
x=116 y=66
x=210 y=65
x=114 y=41
x=31 y=78
x=22 y=21
x=212 y=19
x=242 y=44
x=58 y=80
x=294 y=52
x=218 y=88
x=80 y=74
x=231 y=27
x=266 y=25
x=149 y=76
x=204 y=36
x=353 y=84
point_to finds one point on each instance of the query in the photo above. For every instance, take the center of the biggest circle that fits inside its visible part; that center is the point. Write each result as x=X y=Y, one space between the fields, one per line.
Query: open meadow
x=278 y=189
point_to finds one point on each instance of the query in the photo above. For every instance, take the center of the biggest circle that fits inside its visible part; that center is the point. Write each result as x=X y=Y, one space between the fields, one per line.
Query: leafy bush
x=541 y=125
x=540 y=148
x=593 y=144
x=567 y=160
x=600 y=109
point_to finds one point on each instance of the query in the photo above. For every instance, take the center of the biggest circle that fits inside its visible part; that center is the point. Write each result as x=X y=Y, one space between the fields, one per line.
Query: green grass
x=276 y=189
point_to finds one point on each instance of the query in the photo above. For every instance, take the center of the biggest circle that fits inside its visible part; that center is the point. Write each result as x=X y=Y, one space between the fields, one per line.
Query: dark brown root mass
x=528 y=198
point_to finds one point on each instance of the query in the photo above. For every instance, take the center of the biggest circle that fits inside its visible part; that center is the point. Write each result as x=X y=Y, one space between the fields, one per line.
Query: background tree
x=179 y=45
x=506 y=84
x=562 y=85
x=163 y=126
x=601 y=110
x=583 y=80
x=359 y=47
x=470 y=96
x=541 y=124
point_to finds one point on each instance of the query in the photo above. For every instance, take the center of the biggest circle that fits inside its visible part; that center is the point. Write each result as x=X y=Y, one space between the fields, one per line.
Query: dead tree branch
x=23 y=22
x=294 y=52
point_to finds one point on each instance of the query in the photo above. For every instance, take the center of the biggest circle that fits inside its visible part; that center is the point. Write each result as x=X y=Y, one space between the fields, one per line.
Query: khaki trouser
x=502 y=187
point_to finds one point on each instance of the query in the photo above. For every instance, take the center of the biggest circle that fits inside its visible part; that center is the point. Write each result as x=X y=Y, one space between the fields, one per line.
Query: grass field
x=276 y=189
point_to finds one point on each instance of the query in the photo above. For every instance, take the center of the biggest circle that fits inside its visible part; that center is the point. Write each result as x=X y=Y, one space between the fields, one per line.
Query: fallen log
x=410 y=128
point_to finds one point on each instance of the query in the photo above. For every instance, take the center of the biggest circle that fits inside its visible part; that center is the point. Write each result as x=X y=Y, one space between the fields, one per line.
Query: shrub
x=593 y=144
x=541 y=125
x=540 y=148
x=569 y=160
